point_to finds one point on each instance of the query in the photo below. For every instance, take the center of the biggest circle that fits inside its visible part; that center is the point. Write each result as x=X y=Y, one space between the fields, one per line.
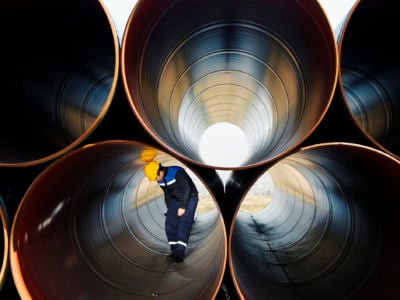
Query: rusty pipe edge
x=92 y=226
x=268 y=67
x=4 y=242
x=370 y=71
x=330 y=230
x=60 y=64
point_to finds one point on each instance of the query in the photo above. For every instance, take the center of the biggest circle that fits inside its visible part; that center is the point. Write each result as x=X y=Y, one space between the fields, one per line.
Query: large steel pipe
x=91 y=226
x=4 y=242
x=326 y=227
x=59 y=69
x=370 y=71
x=268 y=67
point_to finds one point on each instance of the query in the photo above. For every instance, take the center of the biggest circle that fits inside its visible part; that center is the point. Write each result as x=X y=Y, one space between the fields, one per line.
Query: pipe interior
x=327 y=229
x=370 y=71
x=267 y=67
x=59 y=71
x=91 y=226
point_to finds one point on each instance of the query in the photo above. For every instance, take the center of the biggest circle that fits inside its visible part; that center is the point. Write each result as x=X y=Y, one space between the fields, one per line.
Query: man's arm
x=185 y=183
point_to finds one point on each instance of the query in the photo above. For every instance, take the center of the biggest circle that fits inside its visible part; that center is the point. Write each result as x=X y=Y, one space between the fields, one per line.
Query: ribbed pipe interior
x=330 y=230
x=60 y=64
x=370 y=71
x=92 y=226
x=267 y=67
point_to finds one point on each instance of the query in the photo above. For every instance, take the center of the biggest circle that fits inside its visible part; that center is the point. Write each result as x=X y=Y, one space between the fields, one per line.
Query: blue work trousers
x=178 y=228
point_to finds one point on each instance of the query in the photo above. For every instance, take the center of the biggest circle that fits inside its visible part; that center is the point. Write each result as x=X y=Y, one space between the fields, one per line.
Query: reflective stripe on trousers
x=178 y=228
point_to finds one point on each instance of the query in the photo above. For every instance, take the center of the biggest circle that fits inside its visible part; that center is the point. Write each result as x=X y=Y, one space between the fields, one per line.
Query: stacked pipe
x=79 y=111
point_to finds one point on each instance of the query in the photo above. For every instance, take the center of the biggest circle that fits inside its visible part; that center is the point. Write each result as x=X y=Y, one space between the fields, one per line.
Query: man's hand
x=181 y=211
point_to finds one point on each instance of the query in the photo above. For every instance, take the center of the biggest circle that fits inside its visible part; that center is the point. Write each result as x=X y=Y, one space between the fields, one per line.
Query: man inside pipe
x=181 y=198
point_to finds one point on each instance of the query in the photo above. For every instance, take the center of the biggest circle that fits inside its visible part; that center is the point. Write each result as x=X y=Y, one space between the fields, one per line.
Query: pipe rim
x=194 y=263
x=135 y=94
x=382 y=159
x=33 y=161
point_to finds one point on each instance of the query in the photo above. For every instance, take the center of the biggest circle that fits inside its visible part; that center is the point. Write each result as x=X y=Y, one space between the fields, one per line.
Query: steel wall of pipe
x=4 y=242
x=329 y=229
x=60 y=65
x=334 y=205
x=369 y=71
x=91 y=225
x=269 y=67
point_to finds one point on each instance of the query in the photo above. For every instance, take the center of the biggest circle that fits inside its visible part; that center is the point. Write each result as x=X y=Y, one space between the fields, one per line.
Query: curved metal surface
x=330 y=230
x=4 y=242
x=369 y=72
x=268 y=67
x=60 y=64
x=92 y=226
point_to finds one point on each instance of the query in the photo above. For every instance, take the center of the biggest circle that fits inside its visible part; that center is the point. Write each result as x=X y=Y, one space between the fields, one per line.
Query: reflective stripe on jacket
x=177 y=186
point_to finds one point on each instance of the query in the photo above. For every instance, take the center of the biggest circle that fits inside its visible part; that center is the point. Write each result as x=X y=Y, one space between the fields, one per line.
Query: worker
x=181 y=198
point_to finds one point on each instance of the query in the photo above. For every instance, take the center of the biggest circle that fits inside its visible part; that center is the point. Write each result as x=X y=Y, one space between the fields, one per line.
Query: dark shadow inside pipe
x=330 y=230
x=267 y=67
x=92 y=226
x=59 y=71
x=370 y=71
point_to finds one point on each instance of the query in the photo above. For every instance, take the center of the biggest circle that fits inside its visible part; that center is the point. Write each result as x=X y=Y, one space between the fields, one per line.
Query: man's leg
x=184 y=228
x=171 y=228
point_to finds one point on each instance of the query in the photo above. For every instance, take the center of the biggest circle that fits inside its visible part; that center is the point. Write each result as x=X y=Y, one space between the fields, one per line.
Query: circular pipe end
x=320 y=223
x=92 y=225
x=268 y=68
x=59 y=75
x=369 y=72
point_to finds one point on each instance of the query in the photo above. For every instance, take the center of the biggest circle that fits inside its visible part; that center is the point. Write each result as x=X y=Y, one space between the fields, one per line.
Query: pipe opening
x=370 y=69
x=91 y=225
x=59 y=72
x=224 y=144
x=329 y=231
x=266 y=67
